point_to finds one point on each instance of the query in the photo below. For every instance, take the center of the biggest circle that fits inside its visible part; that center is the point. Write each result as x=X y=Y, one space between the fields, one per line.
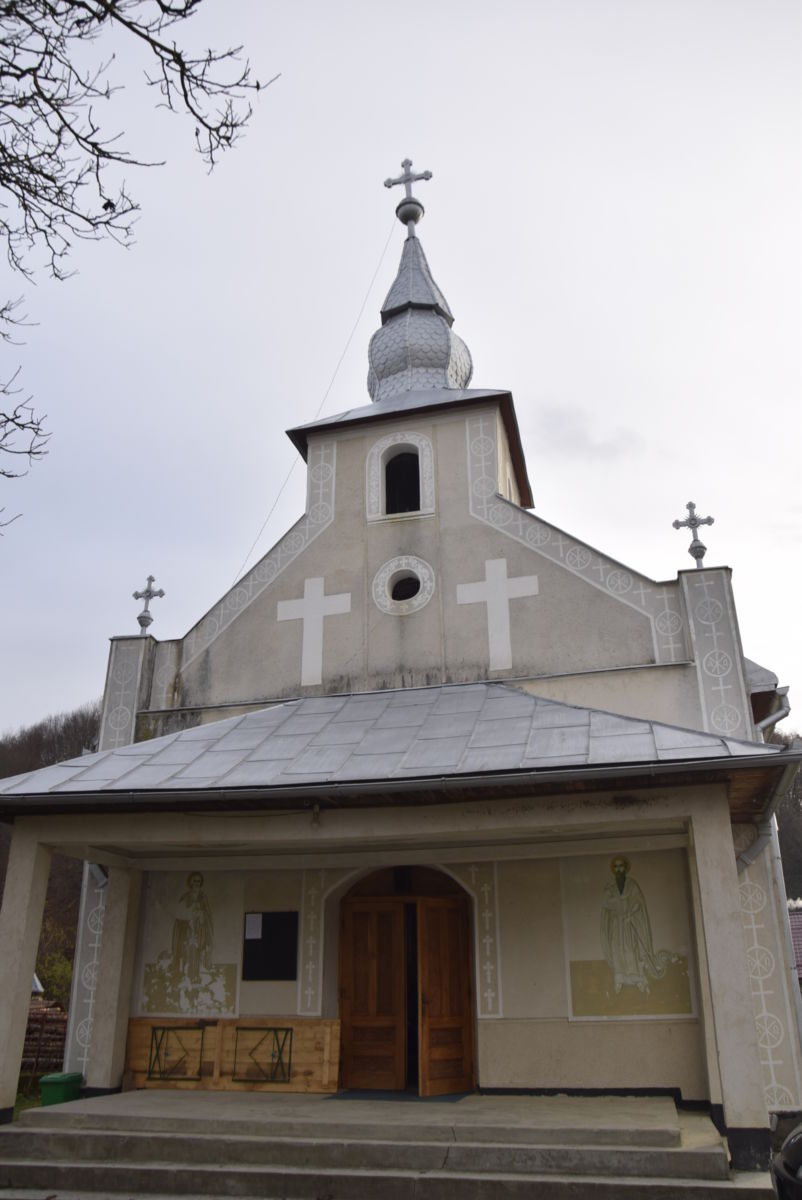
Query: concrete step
x=63 y=1179
x=547 y=1121
x=207 y=1145
x=706 y=1160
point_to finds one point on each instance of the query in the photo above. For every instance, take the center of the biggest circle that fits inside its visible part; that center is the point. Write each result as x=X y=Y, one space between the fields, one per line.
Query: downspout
x=774 y=718
x=766 y=826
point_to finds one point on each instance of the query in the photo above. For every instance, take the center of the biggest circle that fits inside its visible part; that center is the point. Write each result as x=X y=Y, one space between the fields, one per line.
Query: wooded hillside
x=65 y=735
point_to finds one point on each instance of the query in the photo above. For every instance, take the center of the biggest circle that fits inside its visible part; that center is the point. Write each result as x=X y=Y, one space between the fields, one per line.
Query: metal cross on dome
x=407 y=178
x=697 y=549
x=147 y=594
x=410 y=210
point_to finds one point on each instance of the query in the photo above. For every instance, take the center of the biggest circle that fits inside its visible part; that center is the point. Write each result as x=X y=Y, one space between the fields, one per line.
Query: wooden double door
x=406 y=994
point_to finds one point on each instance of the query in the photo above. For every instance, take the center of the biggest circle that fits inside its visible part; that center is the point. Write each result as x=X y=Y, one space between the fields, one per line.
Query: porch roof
x=422 y=741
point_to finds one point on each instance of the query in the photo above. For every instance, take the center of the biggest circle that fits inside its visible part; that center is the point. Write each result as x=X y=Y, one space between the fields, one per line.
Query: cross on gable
x=697 y=548
x=147 y=594
x=496 y=591
x=313 y=610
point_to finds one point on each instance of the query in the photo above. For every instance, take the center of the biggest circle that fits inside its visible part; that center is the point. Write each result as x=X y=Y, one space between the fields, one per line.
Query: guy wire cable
x=322 y=402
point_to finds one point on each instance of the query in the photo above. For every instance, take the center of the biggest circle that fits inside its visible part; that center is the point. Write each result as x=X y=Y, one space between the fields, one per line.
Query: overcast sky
x=614 y=218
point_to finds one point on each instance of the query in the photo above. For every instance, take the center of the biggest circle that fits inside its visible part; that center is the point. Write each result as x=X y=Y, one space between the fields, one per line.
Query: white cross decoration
x=312 y=610
x=496 y=591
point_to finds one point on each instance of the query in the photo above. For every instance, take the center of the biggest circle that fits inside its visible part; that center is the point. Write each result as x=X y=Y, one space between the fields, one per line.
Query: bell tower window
x=402 y=483
x=399 y=477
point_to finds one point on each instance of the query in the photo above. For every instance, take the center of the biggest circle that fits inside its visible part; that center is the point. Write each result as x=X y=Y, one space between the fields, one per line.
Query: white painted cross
x=312 y=610
x=496 y=591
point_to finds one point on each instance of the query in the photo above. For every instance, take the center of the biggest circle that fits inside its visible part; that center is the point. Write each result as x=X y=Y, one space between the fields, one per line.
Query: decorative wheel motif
x=725 y=718
x=709 y=611
x=484 y=486
x=482 y=446
x=119 y=717
x=266 y=571
x=500 y=515
x=293 y=543
x=236 y=599
x=717 y=663
x=538 y=535
x=770 y=1031
x=320 y=473
x=753 y=898
x=83 y=1034
x=319 y=512
x=89 y=975
x=668 y=622
x=578 y=558
x=619 y=582
x=760 y=961
x=123 y=672
x=779 y=1097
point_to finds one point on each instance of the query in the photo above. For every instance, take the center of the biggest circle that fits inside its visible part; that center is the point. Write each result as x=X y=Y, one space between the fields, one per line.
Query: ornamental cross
x=407 y=178
x=496 y=591
x=147 y=594
x=697 y=549
x=312 y=611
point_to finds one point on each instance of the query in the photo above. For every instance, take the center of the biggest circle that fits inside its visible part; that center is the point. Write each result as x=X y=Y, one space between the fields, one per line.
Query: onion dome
x=416 y=348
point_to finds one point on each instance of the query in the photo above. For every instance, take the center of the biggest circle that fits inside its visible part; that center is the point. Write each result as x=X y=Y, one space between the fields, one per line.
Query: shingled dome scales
x=415 y=348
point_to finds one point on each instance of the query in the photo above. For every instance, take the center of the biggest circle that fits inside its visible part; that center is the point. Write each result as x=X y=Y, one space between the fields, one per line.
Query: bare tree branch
x=56 y=155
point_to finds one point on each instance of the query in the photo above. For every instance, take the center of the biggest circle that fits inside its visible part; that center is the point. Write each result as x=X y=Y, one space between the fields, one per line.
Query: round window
x=403 y=585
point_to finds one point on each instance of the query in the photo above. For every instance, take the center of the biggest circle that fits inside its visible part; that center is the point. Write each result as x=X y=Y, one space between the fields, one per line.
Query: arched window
x=399 y=477
x=402 y=483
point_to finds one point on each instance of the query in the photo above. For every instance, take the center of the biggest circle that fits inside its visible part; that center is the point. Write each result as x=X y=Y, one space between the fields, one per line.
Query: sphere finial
x=410 y=210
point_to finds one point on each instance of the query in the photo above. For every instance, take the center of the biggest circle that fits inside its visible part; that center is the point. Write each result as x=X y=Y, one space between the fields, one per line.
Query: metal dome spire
x=416 y=348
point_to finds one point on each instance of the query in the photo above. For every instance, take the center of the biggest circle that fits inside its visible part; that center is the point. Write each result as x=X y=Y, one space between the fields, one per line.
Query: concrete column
x=20 y=926
x=114 y=977
x=745 y=1115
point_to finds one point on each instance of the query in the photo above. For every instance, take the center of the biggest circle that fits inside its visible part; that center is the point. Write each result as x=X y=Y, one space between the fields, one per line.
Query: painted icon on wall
x=184 y=979
x=627 y=951
x=626 y=934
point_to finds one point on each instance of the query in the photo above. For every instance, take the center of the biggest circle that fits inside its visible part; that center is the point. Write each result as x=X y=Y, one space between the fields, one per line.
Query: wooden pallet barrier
x=265 y=1054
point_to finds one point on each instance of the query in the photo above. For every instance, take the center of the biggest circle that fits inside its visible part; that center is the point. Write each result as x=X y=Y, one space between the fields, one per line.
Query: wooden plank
x=314 y=1064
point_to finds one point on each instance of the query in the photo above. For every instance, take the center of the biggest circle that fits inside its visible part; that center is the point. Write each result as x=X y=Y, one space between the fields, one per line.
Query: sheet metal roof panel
x=489 y=727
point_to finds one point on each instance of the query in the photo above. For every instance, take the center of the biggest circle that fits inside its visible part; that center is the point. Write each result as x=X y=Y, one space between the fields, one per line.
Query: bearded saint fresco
x=626 y=935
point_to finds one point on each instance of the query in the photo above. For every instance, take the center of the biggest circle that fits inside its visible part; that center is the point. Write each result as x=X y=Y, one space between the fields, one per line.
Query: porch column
x=20 y=926
x=104 y=1070
x=745 y=1114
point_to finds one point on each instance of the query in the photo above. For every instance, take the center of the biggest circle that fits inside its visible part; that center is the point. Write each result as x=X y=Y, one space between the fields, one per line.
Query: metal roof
x=459 y=731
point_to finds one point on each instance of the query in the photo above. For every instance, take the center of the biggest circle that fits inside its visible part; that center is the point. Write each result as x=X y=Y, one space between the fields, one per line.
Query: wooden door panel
x=445 y=996
x=372 y=990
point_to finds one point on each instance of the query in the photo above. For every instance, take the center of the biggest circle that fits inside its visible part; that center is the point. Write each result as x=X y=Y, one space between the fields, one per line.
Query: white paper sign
x=253 y=926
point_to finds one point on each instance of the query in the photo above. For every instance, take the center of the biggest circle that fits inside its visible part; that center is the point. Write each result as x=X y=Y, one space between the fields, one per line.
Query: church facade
x=436 y=797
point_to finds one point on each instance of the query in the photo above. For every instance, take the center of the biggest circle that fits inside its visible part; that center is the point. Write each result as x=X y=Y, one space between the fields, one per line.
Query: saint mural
x=614 y=968
x=193 y=932
x=185 y=979
x=626 y=934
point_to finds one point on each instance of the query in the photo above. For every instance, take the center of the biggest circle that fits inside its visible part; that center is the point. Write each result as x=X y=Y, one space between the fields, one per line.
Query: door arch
x=406 y=983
